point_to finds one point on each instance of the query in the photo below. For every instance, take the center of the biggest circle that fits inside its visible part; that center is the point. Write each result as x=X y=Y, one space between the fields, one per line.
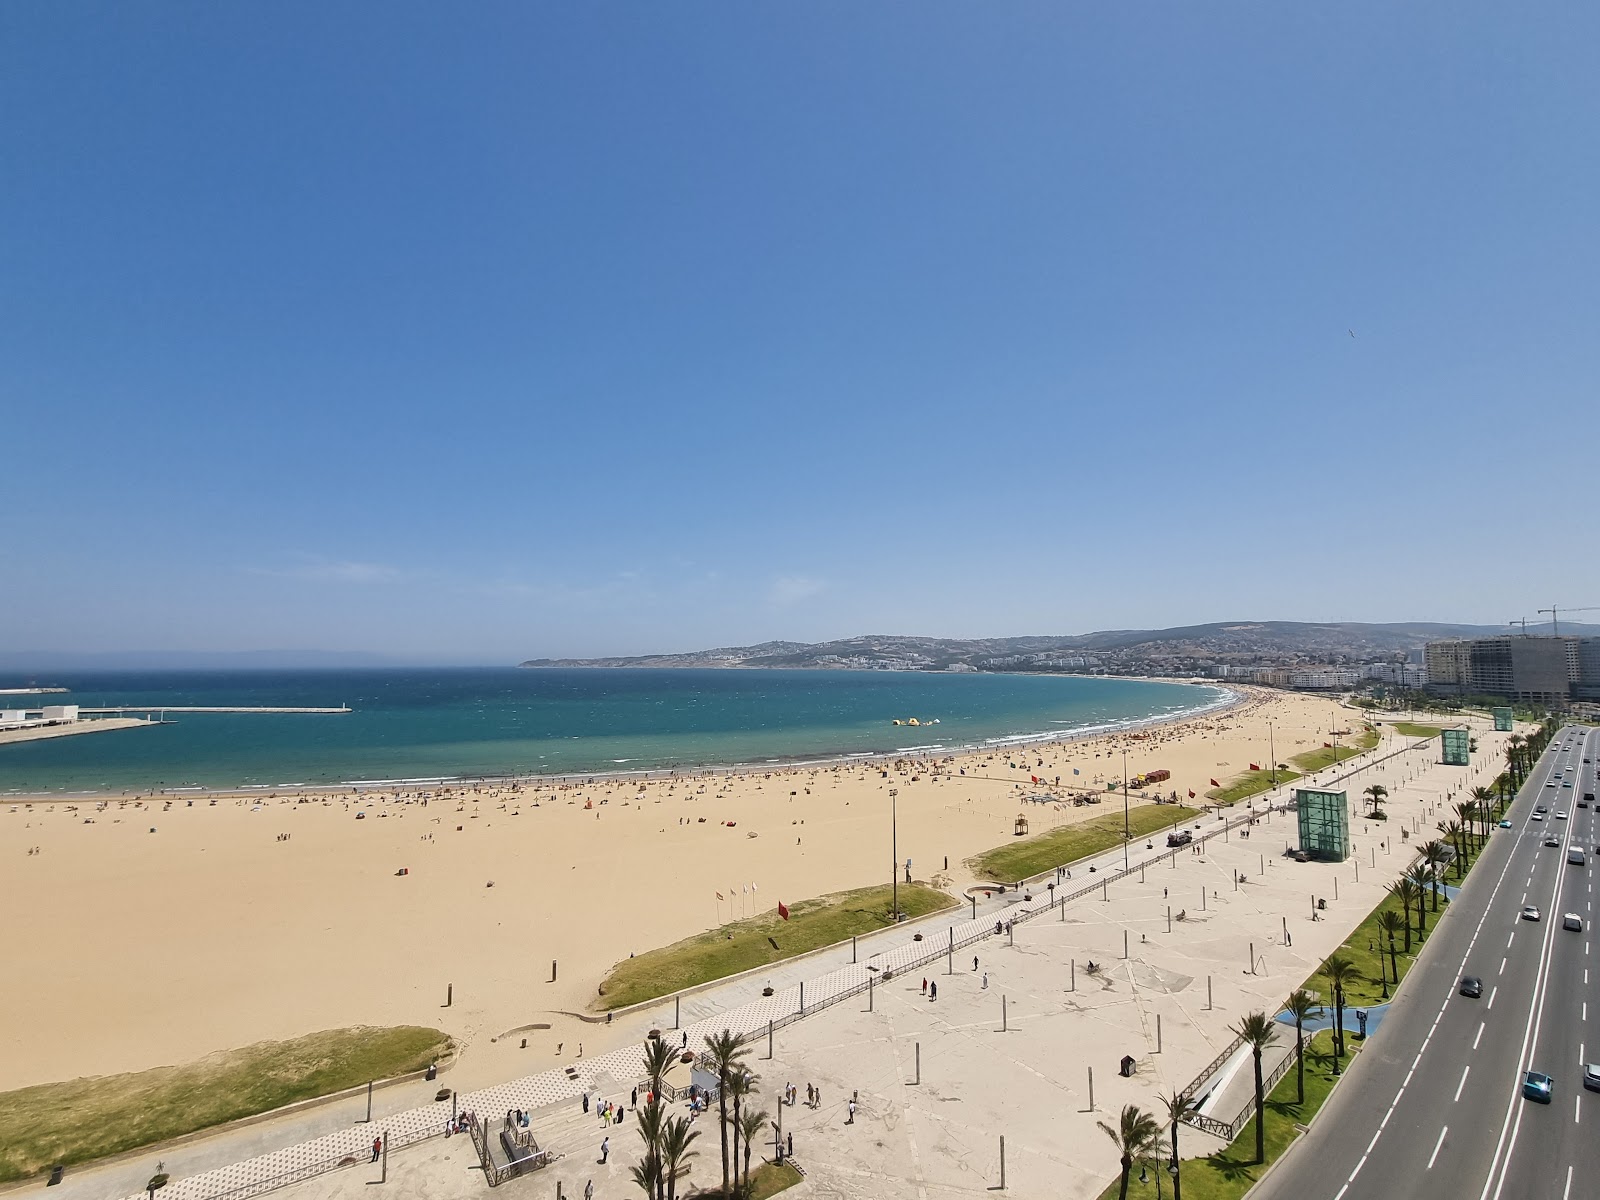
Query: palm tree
x=1437 y=855
x=740 y=1084
x=726 y=1052
x=1300 y=1005
x=750 y=1127
x=1134 y=1132
x=1420 y=878
x=659 y=1056
x=1389 y=922
x=648 y=1173
x=1404 y=891
x=1339 y=971
x=1484 y=798
x=1259 y=1031
x=1375 y=795
x=650 y=1129
x=676 y=1137
x=1178 y=1106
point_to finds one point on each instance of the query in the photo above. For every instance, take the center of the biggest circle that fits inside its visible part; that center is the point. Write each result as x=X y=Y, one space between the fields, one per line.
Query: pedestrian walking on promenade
x=986 y=981
x=974 y=962
x=377 y=1148
x=851 y=1120
x=605 y=1150
x=588 y=1190
x=933 y=991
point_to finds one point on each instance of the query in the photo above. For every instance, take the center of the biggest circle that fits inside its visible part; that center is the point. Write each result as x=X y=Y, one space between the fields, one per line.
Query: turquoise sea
x=465 y=723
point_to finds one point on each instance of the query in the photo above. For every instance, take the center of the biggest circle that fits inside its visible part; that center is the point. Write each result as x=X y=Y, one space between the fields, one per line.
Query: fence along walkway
x=353 y=1145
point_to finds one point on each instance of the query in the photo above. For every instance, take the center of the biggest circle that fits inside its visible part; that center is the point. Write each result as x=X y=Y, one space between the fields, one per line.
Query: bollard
x=974 y=900
x=384 y=1178
x=677 y=1012
x=853 y=943
x=802 y=995
x=1158 y=1033
x=1105 y=890
x=449 y=994
x=1011 y=937
x=1074 y=986
x=368 y=1120
x=1261 y=869
x=1252 y=958
x=769 y=1041
x=1169 y=918
x=1091 y=1089
x=1124 y=943
x=950 y=954
x=1004 y=1027
x=1002 y=1162
x=1141 y=872
x=1208 y=993
x=870 y=978
x=919 y=1062
x=552 y=970
x=1202 y=899
x=1336 y=888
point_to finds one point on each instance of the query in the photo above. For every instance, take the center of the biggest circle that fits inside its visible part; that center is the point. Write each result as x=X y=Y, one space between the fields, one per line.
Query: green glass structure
x=1324 y=824
x=1456 y=744
x=1502 y=720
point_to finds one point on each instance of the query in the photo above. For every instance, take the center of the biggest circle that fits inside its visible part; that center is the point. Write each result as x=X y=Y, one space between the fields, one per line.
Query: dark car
x=1472 y=986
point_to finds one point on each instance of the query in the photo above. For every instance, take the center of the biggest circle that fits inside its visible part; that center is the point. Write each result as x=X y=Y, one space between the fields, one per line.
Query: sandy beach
x=158 y=930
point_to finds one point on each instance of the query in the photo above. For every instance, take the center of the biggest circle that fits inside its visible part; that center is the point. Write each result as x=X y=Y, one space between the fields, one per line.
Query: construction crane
x=1523 y=621
x=1553 y=611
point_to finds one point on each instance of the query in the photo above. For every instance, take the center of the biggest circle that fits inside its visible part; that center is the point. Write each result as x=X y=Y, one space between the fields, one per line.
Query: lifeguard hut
x=1020 y=827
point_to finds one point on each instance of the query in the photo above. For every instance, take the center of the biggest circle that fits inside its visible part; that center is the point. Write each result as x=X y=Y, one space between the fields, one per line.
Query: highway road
x=1434 y=1101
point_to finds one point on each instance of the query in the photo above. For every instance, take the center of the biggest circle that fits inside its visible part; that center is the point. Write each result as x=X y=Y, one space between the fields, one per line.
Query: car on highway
x=1530 y=912
x=1572 y=922
x=1471 y=986
x=1542 y=808
x=1561 y=814
x=1538 y=816
x=1591 y=1077
x=1567 y=784
x=1505 y=824
x=1536 y=1085
x=1552 y=841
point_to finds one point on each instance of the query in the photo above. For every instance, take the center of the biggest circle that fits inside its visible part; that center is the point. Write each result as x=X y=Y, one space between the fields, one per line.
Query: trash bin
x=1127 y=1065
x=55 y=1175
x=1322 y=904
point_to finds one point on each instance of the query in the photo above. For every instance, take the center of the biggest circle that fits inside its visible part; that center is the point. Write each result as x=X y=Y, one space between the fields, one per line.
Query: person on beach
x=974 y=962
x=851 y=1120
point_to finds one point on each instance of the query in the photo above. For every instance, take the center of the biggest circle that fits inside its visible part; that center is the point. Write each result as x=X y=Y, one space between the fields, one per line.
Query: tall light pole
x=894 y=853
x=1125 y=832
x=1273 y=751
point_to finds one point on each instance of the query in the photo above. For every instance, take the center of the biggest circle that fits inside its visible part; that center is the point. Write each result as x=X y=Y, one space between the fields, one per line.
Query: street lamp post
x=1125 y=832
x=1272 y=749
x=894 y=853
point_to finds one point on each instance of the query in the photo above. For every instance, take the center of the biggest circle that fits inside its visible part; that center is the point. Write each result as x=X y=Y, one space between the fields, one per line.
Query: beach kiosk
x=1502 y=720
x=1456 y=743
x=1020 y=827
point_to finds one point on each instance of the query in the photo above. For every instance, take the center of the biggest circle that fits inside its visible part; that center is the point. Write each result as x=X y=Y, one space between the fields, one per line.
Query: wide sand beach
x=156 y=930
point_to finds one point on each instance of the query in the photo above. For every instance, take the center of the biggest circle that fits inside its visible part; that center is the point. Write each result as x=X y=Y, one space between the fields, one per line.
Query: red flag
x=1035 y=778
x=1255 y=766
x=1327 y=745
x=1214 y=783
x=1191 y=793
x=783 y=910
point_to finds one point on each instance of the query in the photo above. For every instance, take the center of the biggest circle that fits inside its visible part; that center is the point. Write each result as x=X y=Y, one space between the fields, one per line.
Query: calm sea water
x=417 y=724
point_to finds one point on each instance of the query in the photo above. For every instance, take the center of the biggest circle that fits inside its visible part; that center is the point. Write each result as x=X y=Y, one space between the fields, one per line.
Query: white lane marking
x=1493 y=992
x=1511 y=939
x=1502 y=966
x=1339 y=1195
x=1565 y=1192
x=1436 y=1146
x=1462 y=1084
x=1479 y=1038
x=1575 y=1110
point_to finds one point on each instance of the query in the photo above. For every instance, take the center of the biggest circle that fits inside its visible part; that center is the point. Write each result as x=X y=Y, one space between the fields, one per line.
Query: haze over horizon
x=485 y=335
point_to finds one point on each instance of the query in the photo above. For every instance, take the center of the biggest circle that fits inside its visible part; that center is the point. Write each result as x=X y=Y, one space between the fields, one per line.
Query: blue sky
x=478 y=332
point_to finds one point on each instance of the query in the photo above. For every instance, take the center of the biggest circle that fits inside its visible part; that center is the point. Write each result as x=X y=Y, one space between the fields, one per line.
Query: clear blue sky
x=476 y=332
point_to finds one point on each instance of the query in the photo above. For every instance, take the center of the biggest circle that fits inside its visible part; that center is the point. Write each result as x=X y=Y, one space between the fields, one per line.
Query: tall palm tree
x=750 y=1126
x=1134 y=1132
x=1483 y=798
x=1259 y=1031
x=740 y=1085
x=726 y=1054
x=1339 y=971
x=677 y=1135
x=1300 y=1005
x=1404 y=891
x=1389 y=922
x=1177 y=1107
x=1437 y=855
x=1375 y=795
x=651 y=1118
x=648 y=1173
x=659 y=1056
x=1420 y=878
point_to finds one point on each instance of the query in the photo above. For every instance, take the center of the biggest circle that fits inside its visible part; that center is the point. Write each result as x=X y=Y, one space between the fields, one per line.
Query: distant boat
x=914 y=722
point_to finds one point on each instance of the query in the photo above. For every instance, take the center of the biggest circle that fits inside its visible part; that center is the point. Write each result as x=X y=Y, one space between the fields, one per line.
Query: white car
x=1530 y=913
x=1573 y=922
x=1561 y=814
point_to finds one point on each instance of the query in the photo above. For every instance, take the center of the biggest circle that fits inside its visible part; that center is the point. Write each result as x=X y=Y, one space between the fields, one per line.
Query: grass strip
x=762 y=940
x=1314 y=760
x=91 y=1118
x=771 y=1178
x=1231 y=1172
x=1061 y=847
x=1410 y=730
x=1251 y=783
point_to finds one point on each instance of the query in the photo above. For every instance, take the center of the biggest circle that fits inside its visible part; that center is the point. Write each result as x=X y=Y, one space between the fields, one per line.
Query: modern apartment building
x=1523 y=668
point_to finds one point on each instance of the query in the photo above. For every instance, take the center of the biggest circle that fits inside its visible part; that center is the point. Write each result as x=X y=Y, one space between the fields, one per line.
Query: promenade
x=940 y=1081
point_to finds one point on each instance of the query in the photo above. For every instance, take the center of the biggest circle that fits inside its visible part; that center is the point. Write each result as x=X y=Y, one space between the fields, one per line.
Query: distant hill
x=1191 y=647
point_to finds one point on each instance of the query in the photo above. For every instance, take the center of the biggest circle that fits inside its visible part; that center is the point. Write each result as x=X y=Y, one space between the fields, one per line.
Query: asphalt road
x=1434 y=1102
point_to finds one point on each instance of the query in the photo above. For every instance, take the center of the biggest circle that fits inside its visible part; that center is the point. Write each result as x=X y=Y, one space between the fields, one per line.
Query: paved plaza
x=1185 y=946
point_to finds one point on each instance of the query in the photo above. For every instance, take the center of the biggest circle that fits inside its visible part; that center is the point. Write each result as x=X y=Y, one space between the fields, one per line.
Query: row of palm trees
x=667 y=1140
x=1141 y=1137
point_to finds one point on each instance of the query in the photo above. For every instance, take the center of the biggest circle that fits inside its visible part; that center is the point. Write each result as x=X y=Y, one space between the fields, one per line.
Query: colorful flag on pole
x=783 y=910
x=1214 y=783
x=719 y=895
x=1255 y=766
x=1074 y=770
x=752 y=887
x=1191 y=793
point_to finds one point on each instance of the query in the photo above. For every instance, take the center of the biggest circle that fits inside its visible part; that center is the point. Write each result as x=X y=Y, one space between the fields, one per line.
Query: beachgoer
x=933 y=991
x=586 y=1102
x=974 y=962
x=924 y=985
x=588 y=1190
x=636 y=1097
x=851 y=1120
x=986 y=981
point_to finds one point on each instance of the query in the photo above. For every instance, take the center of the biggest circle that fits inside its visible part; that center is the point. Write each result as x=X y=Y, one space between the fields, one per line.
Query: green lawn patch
x=91 y=1118
x=1061 y=847
x=1230 y=1173
x=1251 y=783
x=1314 y=760
x=763 y=940
x=771 y=1178
x=1410 y=730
